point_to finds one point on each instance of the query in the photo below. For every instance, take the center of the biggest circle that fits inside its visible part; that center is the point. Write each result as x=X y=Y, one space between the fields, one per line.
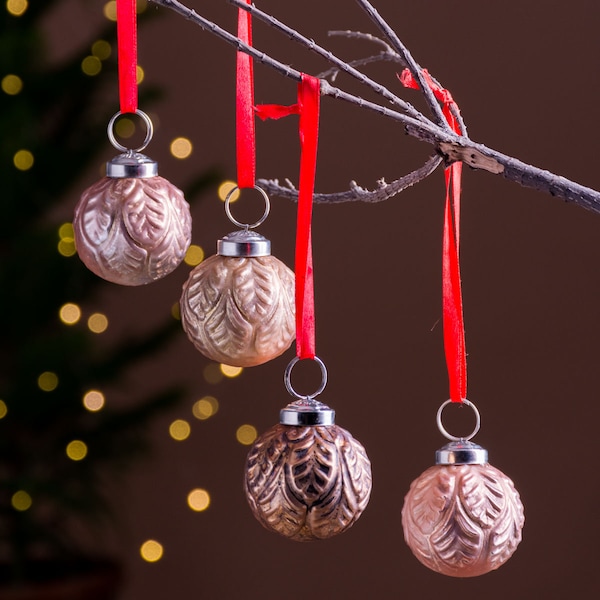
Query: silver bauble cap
x=244 y=243
x=461 y=453
x=133 y=165
x=307 y=412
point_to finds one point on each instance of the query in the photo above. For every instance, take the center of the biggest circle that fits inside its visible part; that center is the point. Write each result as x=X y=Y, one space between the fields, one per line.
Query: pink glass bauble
x=462 y=520
x=132 y=231
x=239 y=310
x=307 y=483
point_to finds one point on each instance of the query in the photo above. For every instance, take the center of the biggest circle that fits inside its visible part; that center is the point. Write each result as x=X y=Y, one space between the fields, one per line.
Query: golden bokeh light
x=180 y=430
x=23 y=160
x=91 y=65
x=212 y=373
x=21 y=500
x=97 y=323
x=151 y=551
x=198 y=500
x=139 y=74
x=12 y=84
x=16 y=7
x=110 y=10
x=101 y=49
x=225 y=188
x=246 y=434
x=3 y=409
x=77 y=450
x=48 y=381
x=125 y=127
x=194 y=255
x=205 y=408
x=141 y=6
x=230 y=371
x=176 y=311
x=94 y=400
x=181 y=147
x=67 y=247
x=69 y=313
x=65 y=231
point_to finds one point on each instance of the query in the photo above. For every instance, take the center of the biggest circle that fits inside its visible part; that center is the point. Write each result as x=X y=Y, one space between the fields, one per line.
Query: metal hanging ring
x=149 y=131
x=287 y=379
x=451 y=437
x=247 y=226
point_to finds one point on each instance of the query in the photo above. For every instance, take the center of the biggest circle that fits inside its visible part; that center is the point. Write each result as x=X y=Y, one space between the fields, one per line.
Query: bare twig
x=448 y=145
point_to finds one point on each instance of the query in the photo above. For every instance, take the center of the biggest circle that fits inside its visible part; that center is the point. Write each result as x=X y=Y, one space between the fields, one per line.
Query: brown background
x=525 y=77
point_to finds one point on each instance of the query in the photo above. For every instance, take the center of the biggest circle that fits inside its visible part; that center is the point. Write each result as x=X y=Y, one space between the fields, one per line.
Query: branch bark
x=449 y=147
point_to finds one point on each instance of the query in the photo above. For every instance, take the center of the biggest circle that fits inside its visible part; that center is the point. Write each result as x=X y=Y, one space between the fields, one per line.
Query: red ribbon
x=454 y=328
x=309 y=96
x=127 y=51
x=244 y=106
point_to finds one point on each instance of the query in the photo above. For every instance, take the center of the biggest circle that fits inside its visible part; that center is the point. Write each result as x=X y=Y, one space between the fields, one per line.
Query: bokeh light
x=151 y=551
x=176 y=311
x=66 y=244
x=23 y=160
x=48 y=381
x=205 y=408
x=246 y=434
x=180 y=430
x=94 y=400
x=141 y=6
x=181 y=147
x=77 y=450
x=110 y=10
x=198 y=500
x=97 y=323
x=21 y=500
x=125 y=127
x=12 y=84
x=69 y=313
x=194 y=255
x=16 y=7
x=3 y=409
x=139 y=74
x=212 y=373
x=225 y=188
x=230 y=371
x=91 y=65
x=101 y=49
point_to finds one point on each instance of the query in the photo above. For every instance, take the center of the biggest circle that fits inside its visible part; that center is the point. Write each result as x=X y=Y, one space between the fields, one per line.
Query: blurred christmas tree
x=56 y=436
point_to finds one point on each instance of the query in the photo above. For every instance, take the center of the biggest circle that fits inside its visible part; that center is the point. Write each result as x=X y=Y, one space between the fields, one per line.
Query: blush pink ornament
x=462 y=517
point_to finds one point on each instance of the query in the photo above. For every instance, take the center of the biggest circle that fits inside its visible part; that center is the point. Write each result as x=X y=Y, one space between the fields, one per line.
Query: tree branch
x=449 y=146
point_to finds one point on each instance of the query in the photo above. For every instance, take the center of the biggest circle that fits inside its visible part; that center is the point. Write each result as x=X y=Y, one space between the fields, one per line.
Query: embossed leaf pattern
x=132 y=231
x=238 y=310
x=307 y=482
x=462 y=520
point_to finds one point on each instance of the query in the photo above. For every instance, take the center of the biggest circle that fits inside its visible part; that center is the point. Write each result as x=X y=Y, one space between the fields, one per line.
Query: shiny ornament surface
x=462 y=520
x=307 y=483
x=132 y=231
x=239 y=311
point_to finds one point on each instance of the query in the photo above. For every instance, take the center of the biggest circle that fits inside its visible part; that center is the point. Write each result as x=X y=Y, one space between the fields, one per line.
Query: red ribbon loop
x=454 y=328
x=127 y=52
x=244 y=106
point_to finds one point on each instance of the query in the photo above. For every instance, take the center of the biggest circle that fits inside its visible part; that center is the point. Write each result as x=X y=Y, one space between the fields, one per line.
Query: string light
x=205 y=408
x=77 y=450
x=246 y=434
x=91 y=65
x=180 y=430
x=225 y=188
x=194 y=255
x=181 y=147
x=94 y=400
x=198 y=500
x=66 y=244
x=101 y=49
x=212 y=373
x=48 y=381
x=151 y=551
x=230 y=371
x=3 y=409
x=69 y=313
x=12 y=84
x=17 y=7
x=21 y=500
x=23 y=160
x=97 y=323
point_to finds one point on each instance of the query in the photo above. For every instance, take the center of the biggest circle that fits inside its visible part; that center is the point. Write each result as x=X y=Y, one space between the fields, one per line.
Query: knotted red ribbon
x=309 y=96
x=127 y=53
x=454 y=329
